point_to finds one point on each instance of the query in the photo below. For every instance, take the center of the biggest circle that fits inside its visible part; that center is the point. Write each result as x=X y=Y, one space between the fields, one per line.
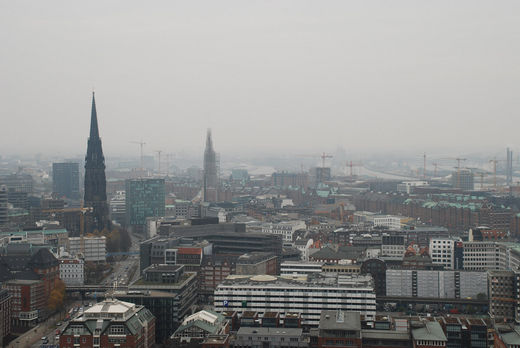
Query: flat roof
x=270 y=331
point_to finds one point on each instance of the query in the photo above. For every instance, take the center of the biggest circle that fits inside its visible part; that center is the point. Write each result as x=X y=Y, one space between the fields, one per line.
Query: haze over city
x=260 y=174
x=267 y=77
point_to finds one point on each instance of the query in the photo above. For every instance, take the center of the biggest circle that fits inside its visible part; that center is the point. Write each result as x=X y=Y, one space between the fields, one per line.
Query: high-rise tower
x=210 y=171
x=95 y=180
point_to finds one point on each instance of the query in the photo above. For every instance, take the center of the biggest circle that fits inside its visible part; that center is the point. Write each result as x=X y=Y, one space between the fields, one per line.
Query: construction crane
x=159 y=160
x=83 y=211
x=141 y=145
x=424 y=165
x=435 y=164
x=323 y=157
x=495 y=162
x=351 y=164
x=169 y=156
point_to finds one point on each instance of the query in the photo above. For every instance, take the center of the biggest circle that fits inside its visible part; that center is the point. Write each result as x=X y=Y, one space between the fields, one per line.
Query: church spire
x=95 y=180
x=209 y=142
x=94 y=132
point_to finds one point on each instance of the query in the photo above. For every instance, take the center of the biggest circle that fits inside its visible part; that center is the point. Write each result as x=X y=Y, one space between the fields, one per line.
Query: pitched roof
x=43 y=259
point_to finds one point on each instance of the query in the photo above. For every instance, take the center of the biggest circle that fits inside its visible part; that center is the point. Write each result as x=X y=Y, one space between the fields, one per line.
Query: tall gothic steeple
x=210 y=171
x=95 y=180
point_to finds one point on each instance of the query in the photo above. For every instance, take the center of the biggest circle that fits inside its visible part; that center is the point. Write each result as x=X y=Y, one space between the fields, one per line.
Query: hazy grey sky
x=264 y=75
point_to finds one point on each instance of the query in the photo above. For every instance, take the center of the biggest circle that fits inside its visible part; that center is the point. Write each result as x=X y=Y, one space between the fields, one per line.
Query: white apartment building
x=442 y=251
x=72 y=271
x=286 y=229
x=92 y=248
x=308 y=296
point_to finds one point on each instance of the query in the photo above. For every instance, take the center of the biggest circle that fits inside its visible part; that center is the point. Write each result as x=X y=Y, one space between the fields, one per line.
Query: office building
x=504 y=295
x=111 y=323
x=118 y=207
x=308 y=295
x=435 y=284
x=72 y=271
x=443 y=251
x=489 y=255
x=28 y=300
x=4 y=208
x=393 y=246
x=213 y=271
x=285 y=229
x=257 y=263
x=171 y=279
x=464 y=332
x=163 y=305
x=339 y=328
x=299 y=268
x=5 y=316
x=65 y=180
x=95 y=180
x=144 y=198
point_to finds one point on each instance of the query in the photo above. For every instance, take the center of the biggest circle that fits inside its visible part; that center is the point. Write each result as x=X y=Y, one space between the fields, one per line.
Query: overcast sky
x=288 y=76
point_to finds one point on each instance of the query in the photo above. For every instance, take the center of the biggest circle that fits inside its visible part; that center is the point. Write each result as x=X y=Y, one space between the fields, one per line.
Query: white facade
x=72 y=271
x=442 y=252
x=299 y=268
x=309 y=297
x=406 y=186
x=118 y=204
x=304 y=249
x=93 y=249
x=286 y=229
x=435 y=284
x=389 y=221
x=486 y=256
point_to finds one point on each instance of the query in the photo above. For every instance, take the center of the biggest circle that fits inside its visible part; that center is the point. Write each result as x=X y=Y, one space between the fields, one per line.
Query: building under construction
x=463 y=179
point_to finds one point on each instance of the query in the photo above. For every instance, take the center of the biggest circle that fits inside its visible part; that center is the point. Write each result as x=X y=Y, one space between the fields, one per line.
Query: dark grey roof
x=43 y=259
